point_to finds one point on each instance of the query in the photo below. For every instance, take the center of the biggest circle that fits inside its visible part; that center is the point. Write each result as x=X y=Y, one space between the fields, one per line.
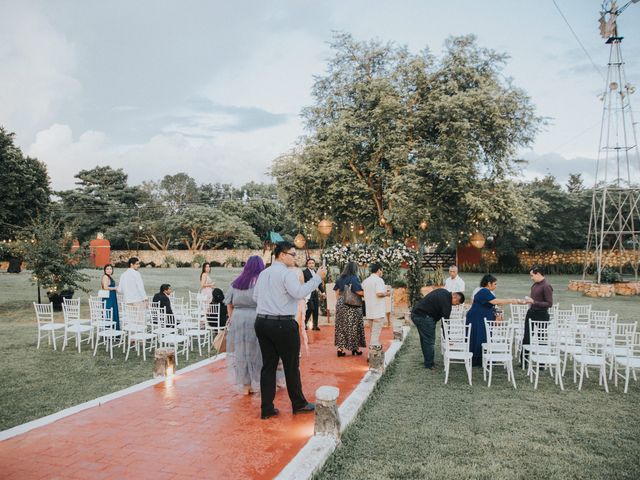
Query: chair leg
x=53 y=339
x=626 y=379
x=535 y=386
x=490 y=374
x=95 y=350
x=581 y=376
x=446 y=370
x=559 y=377
x=513 y=377
x=144 y=349
x=126 y=357
x=469 y=371
x=603 y=374
x=78 y=341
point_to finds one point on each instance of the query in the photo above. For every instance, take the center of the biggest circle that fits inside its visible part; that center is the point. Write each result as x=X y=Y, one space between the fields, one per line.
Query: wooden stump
x=376 y=359
x=327 y=421
x=164 y=362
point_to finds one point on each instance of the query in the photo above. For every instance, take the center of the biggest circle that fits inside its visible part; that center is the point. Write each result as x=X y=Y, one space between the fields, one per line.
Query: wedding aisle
x=193 y=426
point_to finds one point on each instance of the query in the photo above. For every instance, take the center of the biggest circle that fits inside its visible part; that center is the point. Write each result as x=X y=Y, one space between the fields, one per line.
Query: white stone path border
x=319 y=448
x=25 y=427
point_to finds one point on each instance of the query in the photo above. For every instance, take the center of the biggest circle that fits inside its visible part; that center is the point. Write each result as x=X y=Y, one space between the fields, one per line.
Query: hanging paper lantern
x=299 y=241
x=325 y=227
x=477 y=240
x=423 y=225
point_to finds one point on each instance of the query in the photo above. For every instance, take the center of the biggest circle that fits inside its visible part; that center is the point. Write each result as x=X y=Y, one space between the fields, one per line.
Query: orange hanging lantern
x=299 y=241
x=424 y=225
x=324 y=227
x=477 y=240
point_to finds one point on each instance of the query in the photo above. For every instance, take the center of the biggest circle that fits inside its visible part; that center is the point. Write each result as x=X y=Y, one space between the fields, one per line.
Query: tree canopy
x=396 y=137
x=25 y=187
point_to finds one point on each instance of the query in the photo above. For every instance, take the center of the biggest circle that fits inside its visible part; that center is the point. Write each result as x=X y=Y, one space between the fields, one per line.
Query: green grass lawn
x=36 y=383
x=415 y=427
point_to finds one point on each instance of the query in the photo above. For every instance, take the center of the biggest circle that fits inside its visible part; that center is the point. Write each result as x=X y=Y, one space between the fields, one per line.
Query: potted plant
x=54 y=259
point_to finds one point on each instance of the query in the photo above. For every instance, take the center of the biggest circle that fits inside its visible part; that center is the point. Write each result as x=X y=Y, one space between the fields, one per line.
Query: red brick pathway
x=195 y=426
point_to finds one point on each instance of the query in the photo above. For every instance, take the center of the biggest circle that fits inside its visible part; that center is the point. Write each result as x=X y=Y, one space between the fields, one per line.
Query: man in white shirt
x=454 y=283
x=375 y=292
x=132 y=288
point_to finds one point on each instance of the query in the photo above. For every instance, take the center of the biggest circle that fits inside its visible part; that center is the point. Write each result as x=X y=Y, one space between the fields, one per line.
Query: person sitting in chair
x=163 y=297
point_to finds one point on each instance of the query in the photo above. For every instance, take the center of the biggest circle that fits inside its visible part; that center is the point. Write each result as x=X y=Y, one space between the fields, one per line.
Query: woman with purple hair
x=243 y=351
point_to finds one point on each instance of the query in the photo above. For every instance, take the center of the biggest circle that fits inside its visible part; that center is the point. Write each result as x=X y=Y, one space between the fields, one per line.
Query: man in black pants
x=541 y=300
x=277 y=293
x=313 y=304
x=426 y=313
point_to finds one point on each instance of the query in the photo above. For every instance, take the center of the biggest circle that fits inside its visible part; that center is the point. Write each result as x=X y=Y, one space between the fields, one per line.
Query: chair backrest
x=597 y=315
x=518 y=312
x=633 y=344
x=456 y=335
x=499 y=336
x=620 y=333
x=193 y=299
x=135 y=315
x=105 y=316
x=44 y=312
x=158 y=317
x=71 y=301
x=594 y=341
x=457 y=311
x=71 y=311
x=213 y=316
x=565 y=317
x=544 y=334
x=581 y=312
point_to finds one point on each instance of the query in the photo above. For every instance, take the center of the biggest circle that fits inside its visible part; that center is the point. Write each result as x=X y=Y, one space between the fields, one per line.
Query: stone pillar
x=376 y=359
x=164 y=363
x=327 y=416
x=398 y=323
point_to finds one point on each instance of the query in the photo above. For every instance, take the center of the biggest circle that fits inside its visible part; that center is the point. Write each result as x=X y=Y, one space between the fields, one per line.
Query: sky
x=215 y=88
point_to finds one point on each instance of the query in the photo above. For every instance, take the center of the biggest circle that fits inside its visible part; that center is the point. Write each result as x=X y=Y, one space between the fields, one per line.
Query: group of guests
x=485 y=306
x=131 y=287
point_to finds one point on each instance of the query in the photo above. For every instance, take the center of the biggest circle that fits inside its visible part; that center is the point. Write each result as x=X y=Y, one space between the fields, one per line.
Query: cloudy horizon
x=215 y=90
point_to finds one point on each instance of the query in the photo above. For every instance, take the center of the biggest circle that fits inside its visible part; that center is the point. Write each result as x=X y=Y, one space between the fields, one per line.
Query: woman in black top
x=349 y=323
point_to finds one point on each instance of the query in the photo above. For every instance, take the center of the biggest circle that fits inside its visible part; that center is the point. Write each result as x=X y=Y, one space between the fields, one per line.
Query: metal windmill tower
x=614 y=226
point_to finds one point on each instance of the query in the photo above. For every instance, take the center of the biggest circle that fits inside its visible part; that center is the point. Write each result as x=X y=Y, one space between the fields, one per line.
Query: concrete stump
x=327 y=416
x=376 y=359
x=397 y=324
x=164 y=362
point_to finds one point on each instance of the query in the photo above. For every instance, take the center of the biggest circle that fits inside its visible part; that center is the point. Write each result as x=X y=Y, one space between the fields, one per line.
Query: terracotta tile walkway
x=195 y=426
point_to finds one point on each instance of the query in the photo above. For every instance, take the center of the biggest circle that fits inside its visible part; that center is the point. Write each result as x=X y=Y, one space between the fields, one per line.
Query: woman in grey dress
x=243 y=351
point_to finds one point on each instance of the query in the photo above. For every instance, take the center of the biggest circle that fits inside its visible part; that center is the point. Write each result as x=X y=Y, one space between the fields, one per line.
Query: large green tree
x=25 y=187
x=395 y=137
x=102 y=202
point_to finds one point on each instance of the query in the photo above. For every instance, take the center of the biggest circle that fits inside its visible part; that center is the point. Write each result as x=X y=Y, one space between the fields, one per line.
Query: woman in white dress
x=206 y=283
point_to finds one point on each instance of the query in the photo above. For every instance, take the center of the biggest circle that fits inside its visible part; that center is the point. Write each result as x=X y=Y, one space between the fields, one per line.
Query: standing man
x=277 y=293
x=541 y=300
x=313 y=304
x=454 y=283
x=427 y=312
x=375 y=292
x=132 y=287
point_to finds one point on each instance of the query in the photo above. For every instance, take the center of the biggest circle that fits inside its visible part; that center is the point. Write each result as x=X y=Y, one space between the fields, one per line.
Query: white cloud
x=235 y=157
x=37 y=66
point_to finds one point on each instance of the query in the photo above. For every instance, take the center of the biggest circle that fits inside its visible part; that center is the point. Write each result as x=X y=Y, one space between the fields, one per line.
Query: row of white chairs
x=602 y=343
x=139 y=327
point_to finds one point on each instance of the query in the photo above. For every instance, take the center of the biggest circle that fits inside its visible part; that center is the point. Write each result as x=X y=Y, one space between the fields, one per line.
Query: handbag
x=103 y=293
x=350 y=298
x=220 y=342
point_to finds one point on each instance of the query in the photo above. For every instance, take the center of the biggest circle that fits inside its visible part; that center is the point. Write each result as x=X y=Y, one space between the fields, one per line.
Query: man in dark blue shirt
x=431 y=308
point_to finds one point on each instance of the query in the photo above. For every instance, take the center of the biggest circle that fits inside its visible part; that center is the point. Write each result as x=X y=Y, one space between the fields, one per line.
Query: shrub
x=232 y=262
x=199 y=259
x=608 y=275
x=180 y=264
x=170 y=260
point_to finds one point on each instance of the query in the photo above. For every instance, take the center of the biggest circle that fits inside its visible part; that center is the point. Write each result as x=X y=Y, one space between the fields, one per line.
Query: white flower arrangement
x=363 y=254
